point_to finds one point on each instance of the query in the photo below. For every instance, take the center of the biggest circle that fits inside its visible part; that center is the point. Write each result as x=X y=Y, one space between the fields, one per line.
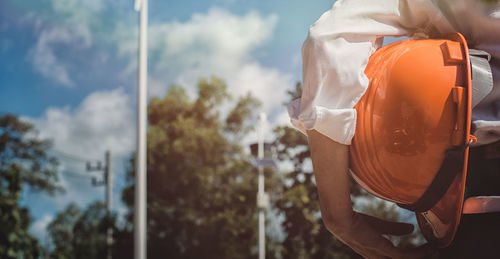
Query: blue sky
x=69 y=67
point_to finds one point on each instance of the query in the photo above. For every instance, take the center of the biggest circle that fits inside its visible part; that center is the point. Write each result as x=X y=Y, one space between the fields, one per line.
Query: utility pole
x=108 y=181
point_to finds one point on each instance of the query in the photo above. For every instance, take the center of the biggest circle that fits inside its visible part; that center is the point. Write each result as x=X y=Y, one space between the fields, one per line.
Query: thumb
x=385 y=227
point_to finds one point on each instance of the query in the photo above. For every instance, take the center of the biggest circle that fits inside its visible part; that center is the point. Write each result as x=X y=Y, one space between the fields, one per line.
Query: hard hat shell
x=416 y=109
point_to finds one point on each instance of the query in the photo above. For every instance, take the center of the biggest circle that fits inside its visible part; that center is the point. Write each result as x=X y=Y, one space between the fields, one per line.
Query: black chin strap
x=452 y=165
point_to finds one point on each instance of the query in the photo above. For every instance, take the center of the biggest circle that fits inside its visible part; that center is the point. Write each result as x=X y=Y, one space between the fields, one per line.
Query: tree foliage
x=24 y=163
x=80 y=234
x=60 y=231
x=201 y=185
x=202 y=189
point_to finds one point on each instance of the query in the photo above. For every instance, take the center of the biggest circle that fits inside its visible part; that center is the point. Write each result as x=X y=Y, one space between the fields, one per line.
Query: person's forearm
x=361 y=232
x=331 y=164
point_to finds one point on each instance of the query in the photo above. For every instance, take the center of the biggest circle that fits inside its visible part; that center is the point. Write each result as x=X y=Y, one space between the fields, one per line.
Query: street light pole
x=257 y=150
x=140 y=248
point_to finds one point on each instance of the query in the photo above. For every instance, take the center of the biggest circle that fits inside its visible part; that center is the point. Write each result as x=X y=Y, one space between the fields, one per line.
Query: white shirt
x=340 y=43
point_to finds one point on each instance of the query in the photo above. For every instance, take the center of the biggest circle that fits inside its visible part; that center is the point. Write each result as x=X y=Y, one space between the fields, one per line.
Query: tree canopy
x=201 y=185
x=24 y=163
x=202 y=189
x=77 y=233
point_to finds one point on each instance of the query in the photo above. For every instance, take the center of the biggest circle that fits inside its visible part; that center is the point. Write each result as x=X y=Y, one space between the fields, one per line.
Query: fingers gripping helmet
x=413 y=130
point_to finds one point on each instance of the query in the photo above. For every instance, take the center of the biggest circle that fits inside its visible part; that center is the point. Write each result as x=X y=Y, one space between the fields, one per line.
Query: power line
x=83 y=175
x=76 y=175
x=70 y=156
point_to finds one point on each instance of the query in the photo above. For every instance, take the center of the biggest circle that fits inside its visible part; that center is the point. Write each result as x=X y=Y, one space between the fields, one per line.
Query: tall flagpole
x=140 y=244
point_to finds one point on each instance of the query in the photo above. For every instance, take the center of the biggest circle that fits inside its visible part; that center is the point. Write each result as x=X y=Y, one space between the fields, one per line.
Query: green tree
x=60 y=231
x=201 y=185
x=24 y=163
x=80 y=234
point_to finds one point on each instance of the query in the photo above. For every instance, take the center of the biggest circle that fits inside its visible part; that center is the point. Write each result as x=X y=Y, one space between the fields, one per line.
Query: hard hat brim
x=440 y=223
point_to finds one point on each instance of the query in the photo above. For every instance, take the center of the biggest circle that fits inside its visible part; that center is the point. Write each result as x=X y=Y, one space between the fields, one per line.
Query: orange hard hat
x=413 y=130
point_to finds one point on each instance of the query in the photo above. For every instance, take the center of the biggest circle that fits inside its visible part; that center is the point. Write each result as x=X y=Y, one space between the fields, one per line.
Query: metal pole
x=260 y=194
x=140 y=235
x=109 y=184
x=108 y=181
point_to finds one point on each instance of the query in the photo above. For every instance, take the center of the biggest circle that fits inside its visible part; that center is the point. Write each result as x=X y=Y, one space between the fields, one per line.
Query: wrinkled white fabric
x=340 y=43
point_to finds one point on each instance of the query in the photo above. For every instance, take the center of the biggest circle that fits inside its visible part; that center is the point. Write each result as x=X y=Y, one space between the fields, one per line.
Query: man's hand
x=363 y=233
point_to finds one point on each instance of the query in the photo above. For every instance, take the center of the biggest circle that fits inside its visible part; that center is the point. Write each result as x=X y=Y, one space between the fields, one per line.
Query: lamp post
x=262 y=196
x=140 y=248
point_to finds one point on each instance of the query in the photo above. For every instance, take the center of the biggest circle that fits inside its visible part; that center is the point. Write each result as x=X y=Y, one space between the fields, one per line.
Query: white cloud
x=39 y=227
x=268 y=85
x=77 y=15
x=71 y=31
x=43 y=55
x=216 y=39
x=104 y=120
x=214 y=43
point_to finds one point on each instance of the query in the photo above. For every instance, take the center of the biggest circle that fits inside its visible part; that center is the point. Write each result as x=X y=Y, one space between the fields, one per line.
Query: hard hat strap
x=452 y=165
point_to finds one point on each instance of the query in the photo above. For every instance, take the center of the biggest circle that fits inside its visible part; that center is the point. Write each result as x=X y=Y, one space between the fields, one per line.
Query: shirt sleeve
x=337 y=50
